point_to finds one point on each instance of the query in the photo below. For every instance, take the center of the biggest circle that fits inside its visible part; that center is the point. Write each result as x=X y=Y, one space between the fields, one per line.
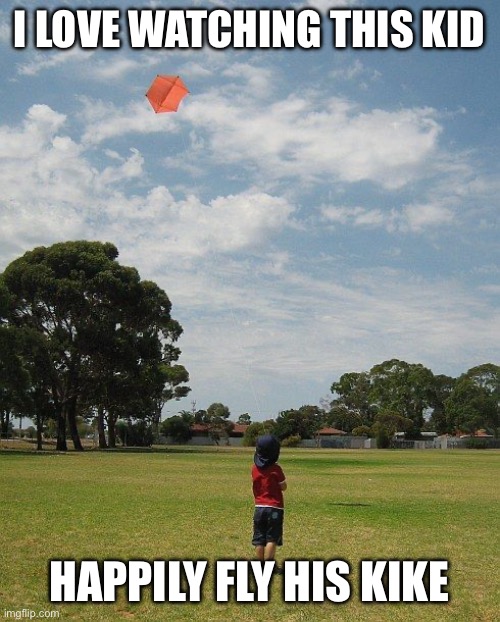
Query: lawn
x=196 y=505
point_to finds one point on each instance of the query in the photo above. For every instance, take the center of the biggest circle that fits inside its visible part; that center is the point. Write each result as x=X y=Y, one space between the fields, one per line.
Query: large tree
x=14 y=380
x=304 y=422
x=409 y=389
x=443 y=386
x=405 y=388
x=352 y=394
x=216 y=418
x=474 y=401
x=97 y=320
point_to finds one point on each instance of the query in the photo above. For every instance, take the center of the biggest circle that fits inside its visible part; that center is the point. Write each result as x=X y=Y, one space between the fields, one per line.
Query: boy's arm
x=282 y=484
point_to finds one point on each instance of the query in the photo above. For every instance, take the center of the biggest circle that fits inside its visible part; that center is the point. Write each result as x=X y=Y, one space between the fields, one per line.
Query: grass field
x=190 y=505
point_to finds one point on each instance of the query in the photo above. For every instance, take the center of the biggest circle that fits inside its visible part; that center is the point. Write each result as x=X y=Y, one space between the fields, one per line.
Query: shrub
x=383 y=439
x=251 y=433
x=361 y=430
x=138 y=434
x=291 y=441
x=177 y=429
x=476 y=443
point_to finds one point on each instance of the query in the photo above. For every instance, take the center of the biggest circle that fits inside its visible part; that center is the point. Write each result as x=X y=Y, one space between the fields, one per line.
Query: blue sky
x=309 y=212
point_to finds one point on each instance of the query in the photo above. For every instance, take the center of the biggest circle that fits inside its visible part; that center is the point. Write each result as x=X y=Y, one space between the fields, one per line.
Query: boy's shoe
x=277 y=570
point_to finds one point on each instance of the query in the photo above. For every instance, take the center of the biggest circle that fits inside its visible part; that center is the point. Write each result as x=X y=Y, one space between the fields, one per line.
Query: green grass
x=195 y=504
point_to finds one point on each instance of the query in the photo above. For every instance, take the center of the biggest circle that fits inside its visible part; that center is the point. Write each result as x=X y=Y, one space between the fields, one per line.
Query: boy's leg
x=269 y=551
x=259 y=533
x=259 y=550
x=267 y=523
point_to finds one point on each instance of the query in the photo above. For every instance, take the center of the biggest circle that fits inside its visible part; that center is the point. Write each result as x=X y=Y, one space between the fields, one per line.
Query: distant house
x=330 y=432
x=478 y=434
x=200 y=434
x=199 y=430
x=239 y=430
x=326 y=437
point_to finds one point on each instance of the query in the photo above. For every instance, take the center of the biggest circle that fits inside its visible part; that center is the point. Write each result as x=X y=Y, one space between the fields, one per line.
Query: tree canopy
x=91 y=334
x=413 y=392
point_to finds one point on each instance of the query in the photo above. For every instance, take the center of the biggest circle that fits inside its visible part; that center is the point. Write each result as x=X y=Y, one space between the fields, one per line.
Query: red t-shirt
x=266 y=486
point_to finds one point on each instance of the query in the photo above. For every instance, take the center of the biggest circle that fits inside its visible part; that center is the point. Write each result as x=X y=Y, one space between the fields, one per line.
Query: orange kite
x=166 y=92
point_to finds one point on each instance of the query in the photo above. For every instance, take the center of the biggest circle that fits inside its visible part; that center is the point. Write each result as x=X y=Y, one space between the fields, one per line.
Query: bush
x=383 y=439
x=476 y=443
x=177 y=429
x=256 y=429
x=138 y=434
x=361 y=430
x=291 y=441
x=253 y=431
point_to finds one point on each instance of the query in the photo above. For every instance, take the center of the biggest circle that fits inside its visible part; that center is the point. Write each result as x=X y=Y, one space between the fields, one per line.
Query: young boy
x=268 y=485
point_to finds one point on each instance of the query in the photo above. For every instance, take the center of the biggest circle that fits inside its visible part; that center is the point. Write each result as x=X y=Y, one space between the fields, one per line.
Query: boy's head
x=267 y=451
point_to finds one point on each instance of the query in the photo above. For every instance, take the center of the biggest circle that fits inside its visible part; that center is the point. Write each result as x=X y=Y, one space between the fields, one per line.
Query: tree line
x=83 y=336
x=393 y=396
x=396 y=396
x=420 y=398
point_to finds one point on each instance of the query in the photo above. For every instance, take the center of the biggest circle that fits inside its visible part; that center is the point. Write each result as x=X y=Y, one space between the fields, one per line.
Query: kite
x=166 y=92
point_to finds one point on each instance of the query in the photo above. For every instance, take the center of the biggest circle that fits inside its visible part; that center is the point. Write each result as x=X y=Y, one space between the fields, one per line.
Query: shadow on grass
x=351 y=505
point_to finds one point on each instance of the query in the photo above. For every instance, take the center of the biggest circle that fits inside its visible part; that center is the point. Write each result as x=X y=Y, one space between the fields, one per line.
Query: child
x=268 y=486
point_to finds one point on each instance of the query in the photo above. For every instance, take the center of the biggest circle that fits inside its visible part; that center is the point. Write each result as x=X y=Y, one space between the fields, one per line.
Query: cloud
x=5 y=29
x=43 y=61
x=116 y=68
x=40 y=165
x=422 y=216
x=304 y=327
x=39 y=126
x=188 y=228
x=414 y=218
x=105 y=121
x=256 y=80
x=248 y=245
x=68 y=195
x=311 y=137
x=357 y=216
x=307 y=135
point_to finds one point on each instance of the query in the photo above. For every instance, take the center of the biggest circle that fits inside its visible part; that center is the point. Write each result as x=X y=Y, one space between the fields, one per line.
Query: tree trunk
x=156 y=424
x=73 y=430
x=39 y=430
x=111 y=430
x=100 y=428
x=61 y=444
x=4 y=422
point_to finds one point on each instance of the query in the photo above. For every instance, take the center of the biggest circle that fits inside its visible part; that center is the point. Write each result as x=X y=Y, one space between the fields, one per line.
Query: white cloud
x=66 y=195
x=420 y=217
x=44 y=61
x=5 y=29
x=304 y=327
x=188 y=228
x=40 y=124
x=105 y=121
x=117 y=67
x=414 y=218
x=311 y=138
x=307 y=136
x=271 y=315
x=257 y=80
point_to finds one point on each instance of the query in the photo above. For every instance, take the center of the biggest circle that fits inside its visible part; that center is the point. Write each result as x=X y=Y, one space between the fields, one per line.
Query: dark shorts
x=267 y=526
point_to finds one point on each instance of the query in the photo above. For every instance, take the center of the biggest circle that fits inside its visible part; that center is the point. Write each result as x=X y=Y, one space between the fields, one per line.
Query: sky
x=309 y=212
